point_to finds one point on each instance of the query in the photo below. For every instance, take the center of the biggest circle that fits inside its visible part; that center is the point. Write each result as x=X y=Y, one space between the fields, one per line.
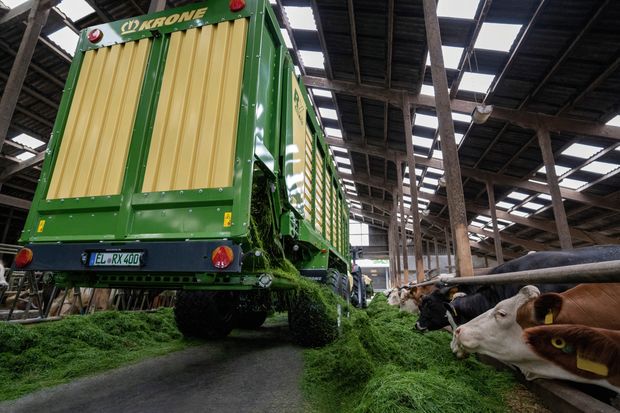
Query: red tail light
x=23 y=258
x=95 y=35
x=236 y=5
x=222 y=257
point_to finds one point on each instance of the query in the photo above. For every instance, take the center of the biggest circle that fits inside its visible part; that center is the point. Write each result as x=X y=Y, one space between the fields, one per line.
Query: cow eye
x=501 y=313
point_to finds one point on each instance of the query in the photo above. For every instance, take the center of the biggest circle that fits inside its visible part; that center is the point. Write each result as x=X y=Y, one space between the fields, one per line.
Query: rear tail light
x=236 y=5
x=23 y=257
x=222 y=257
x=95 y=35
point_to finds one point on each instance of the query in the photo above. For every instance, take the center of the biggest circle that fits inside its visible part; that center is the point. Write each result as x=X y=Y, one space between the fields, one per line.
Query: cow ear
x=547 y=307
x=530 y=291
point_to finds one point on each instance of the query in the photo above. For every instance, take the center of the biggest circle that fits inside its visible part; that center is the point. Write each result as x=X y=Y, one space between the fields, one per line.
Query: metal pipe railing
x=598 y=272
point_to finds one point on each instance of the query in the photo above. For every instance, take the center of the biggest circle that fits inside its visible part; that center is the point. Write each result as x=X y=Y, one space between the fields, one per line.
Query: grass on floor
x=42 y=355
x=380 y=365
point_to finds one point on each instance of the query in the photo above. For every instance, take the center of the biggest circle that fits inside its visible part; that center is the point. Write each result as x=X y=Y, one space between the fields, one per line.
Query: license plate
x=115 y=259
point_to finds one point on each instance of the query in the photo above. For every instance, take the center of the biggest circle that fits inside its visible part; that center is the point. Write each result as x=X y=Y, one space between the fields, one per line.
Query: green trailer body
x=168 y=125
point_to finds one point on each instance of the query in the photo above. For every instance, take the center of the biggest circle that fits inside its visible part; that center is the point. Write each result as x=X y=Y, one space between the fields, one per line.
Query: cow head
x=433 y=309
x=588 y=352
x=495 y=333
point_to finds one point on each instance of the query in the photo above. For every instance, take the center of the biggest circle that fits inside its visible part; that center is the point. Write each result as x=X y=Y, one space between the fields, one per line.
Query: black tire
x=333 y=281
x=251 y=320
x=358 y=296
x=205 y=314
x=345 y=287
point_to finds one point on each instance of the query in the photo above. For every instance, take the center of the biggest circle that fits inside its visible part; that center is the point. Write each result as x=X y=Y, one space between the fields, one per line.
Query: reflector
x=222 y=256
x=23 y=257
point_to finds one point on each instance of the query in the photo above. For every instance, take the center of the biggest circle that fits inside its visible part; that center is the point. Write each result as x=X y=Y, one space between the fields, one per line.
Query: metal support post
x=559 y=213
x=497 y=240
x=396 y=238
x=437 y=256
x=448 y=249
x=456 y=201
x=13 y=86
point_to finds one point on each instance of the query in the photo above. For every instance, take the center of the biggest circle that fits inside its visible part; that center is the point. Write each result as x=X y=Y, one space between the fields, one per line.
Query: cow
x=592 y=354
x=3 y=284
x=434 y=308
x=498 y=332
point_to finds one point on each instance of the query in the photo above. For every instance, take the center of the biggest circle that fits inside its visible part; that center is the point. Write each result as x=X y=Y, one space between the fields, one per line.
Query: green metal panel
x=262 y=135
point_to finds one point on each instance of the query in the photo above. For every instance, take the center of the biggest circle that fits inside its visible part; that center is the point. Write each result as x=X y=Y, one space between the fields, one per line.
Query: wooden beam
x=37 y=17
x=15 y=202
x=540 y=224
x=480 y=175
x=403 y=221
x=556 y=196
x=497 y=239
x=525 y=119
x=12 y=170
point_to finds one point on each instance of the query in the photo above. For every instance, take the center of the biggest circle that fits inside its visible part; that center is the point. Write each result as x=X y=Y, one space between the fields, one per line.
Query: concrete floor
x=250 y=371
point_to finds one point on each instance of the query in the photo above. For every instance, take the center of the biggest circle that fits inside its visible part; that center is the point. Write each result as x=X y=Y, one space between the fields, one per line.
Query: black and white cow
x=436 y=308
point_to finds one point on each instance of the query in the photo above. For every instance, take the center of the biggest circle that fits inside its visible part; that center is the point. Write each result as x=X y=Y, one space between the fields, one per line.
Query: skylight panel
x=347 y=181
x=66 y=39
x=602 y=168
x=572 y=183
x=462 y=117
x=13 y=3
x=333 y=132
x=300 y=17
x=458 y=138
x=430 y=181
x=517 y=195
x=428 y=190
x=423 y=142
x=321 y=92
x=504 y=205
x=28 y=141
x=460 y=9
x=476 y=82
x=340 y=159
x=478 y=224
x=520 y=213
x=328 y=113
x=434 y=171
x=345 y=168
x=580 y=150
x=559 y=170
x=546 y=197
x=312 y=59
x=532 y=205
x=483 y=218
x=25 y=155
x=426 y=120
x=428 y=90
x=615 y=121
x=497 y=36
x=297 y=70
x=287 y=38
x=75 y=9
x=451 y=57
x=437 y=154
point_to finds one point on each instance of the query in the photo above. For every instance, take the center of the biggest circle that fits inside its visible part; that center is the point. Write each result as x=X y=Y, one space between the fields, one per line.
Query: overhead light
x=481 y=113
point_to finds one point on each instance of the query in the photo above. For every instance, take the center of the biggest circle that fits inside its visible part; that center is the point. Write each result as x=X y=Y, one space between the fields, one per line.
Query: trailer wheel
x=334 y=282
x=251 y=320
x=205 y=314
x=358 y=296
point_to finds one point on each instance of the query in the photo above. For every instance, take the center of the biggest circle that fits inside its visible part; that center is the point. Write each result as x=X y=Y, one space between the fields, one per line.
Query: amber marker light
x=222 y=257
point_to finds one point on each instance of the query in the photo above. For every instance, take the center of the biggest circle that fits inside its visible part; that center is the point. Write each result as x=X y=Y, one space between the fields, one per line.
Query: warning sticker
x=227 y=219
x=41 y=225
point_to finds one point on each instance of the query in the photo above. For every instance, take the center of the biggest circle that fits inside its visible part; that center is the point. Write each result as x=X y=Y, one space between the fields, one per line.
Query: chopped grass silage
x=380 y=365
x=42 y=355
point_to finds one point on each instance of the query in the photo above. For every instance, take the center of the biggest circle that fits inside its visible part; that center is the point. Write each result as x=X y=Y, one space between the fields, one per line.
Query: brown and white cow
x=499 y=332
x=587 y=352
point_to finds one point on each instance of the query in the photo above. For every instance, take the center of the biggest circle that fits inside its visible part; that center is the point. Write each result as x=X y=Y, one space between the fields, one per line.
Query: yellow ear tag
x=549 y=317
x=592 y=366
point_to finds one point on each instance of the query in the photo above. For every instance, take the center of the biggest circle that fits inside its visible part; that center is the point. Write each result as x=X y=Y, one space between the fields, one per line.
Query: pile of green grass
x=42 y=355
x=379 y=364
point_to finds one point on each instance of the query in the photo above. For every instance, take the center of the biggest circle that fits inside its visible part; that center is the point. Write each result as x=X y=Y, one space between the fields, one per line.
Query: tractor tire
x=358 y=296
x=205 y=314
x=334 y=282
x=251 y=320
x=309 y=321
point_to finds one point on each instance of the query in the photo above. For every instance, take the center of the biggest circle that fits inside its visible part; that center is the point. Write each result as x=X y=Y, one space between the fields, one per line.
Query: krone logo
x=130 y=26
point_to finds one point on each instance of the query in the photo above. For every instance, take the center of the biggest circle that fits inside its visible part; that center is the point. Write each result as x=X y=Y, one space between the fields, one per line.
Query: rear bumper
x=166 y=257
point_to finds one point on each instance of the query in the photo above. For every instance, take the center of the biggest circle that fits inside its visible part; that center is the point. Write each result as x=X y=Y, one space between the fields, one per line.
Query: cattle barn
x=466 y=134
